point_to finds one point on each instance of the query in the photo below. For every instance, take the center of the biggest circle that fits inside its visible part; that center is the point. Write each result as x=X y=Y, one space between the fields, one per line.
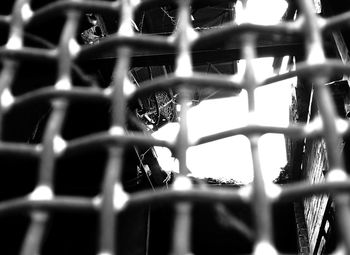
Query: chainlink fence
x=42 y=201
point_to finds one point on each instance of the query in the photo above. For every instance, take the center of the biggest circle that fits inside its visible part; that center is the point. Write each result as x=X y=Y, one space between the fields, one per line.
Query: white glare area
x=116 y=130
x=340 y=250
x=108 y=91
x=59 y=145
x=337 y=175
x=129 y=87
x=26 y=12
x=184 y=68
x=272 y=155
x=263 y=248
x=7 y=98
x=73 y=47
x=41 y=192
x=318 y=6
x=224 y=159
x=63 y=84
x=125 y=29
x=96 y=201
x=105 y=253
x=182 y=183
x=230 y=158
x=314 y=125
x=120 y=197
x=164 y=156
x=135 y=3
x=14 y=43
x=246 y=192
x=273 y=191
x=342 y=126
x=315 y=55
x=267 y=12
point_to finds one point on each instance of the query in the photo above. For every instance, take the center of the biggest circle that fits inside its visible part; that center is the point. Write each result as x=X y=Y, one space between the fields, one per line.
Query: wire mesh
x=113 y=199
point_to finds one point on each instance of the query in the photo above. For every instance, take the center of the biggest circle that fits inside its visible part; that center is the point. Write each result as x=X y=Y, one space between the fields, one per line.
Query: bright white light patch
x=336 y=175
x=96 y=201
x=126 y=29
x=135 y=3
x=342 y=125
x=59 y=145
x=63 y=84
x=340 y=250
x=192 y=34
x=116 y=130
x=184 y=66
x=225 y=159
x=120 y=197
x=273 y=191
x=7 y=98
x=246 y=192
x=14 y=43
x=314 y=125
x=316 y=55
x=108 y=91
x=38 y=148
x=264 y=248
x=26 y=12
x=73 y=47
x=165 y=158
x=42 y=192
x=217 y=115
x=267 y=12
x=129 y=87
x=182 y=183
x=272 y=101
x=230 y=158
x=318 y=6
x=168 y=133
x=105 y=253
x=184 y=69
x=272 y=155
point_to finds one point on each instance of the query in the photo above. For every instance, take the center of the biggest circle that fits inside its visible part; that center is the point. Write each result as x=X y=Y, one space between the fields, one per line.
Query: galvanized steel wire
x=184 y=39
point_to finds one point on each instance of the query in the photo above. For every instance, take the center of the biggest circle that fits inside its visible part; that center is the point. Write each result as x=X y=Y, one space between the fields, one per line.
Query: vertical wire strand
x=181 y=243
x=45 y=186
x=35 y=233
x=109 y=212
x=44 y=189
x=328 y=115
x=7 y=77
x=324 y=101
x=261 y=205
x=112 y=189
x=10 y=66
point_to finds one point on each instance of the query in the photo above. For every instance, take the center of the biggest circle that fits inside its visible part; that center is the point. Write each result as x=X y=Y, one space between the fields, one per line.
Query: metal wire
x=42 y=201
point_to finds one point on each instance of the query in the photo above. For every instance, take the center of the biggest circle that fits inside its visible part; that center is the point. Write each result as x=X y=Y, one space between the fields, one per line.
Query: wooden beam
x=328 y=11
x=341 y=46
x=223 y=54
x=338 y=38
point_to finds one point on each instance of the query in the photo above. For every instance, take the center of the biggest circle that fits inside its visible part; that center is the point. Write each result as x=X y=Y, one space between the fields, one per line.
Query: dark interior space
x=213 y=235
